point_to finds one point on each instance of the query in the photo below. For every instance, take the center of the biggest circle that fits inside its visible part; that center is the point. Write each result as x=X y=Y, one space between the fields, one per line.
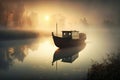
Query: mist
x=27 y=45
x=73 y=14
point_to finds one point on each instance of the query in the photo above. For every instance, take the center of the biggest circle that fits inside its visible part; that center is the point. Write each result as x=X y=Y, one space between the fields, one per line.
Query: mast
x=56 y=30
x=56 y=66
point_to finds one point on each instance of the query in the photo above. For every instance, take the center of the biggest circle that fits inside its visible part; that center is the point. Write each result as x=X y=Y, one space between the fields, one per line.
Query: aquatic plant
x=108 y=70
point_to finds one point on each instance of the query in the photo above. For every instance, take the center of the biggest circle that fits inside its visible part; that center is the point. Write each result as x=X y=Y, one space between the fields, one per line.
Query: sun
x=47 y=18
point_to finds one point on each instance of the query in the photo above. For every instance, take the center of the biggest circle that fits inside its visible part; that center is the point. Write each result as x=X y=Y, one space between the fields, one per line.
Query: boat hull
x=68 y=42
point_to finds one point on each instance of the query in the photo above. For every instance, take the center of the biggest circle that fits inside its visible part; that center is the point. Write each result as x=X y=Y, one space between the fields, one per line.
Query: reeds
x=108 y=70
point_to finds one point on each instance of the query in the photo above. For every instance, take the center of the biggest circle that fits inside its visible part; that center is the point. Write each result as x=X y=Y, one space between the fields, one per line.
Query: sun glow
x=47 y=18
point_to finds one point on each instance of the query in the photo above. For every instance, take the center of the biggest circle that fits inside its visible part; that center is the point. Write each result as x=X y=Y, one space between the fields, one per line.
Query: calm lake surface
x=32 y=58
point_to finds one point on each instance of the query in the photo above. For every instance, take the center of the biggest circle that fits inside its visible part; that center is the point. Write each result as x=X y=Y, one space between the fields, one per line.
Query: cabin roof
x=70 y=31
x=66 y=31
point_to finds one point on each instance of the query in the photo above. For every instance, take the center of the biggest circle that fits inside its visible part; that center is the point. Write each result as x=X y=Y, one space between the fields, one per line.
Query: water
x=32 y=58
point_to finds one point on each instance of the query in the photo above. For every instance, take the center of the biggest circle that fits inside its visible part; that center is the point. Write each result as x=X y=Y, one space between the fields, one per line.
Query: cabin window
x=75 y=35
x=69 y=33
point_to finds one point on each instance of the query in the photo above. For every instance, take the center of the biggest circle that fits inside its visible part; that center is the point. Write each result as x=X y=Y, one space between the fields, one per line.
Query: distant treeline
x=17 y=34
x=14 y=15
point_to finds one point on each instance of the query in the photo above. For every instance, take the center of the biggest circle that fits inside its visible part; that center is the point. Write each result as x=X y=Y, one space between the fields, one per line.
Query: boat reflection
x=13 y=50
x=68 y=54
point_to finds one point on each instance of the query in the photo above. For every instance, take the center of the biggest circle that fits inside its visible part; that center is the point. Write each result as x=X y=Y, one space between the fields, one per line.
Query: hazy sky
x=91 y=9
x=95 y=11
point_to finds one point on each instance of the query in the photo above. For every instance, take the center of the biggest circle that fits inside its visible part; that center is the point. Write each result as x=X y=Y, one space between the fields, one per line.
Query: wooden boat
x=69 y=39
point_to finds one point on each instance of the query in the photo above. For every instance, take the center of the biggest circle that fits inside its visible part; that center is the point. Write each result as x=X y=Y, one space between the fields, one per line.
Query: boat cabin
x=70 y=59
x=70 y=34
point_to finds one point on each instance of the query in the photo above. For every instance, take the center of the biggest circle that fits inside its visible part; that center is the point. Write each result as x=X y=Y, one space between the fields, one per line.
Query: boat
x=69 y=39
